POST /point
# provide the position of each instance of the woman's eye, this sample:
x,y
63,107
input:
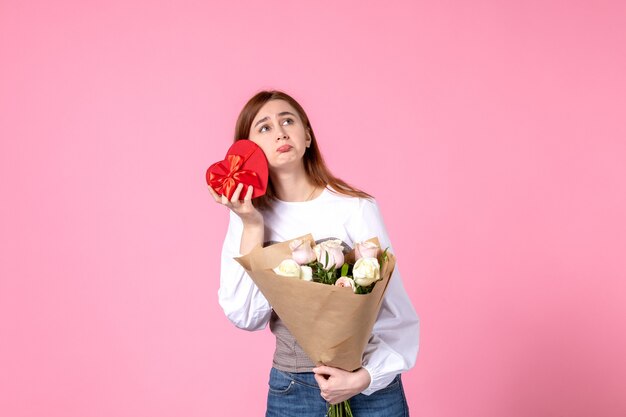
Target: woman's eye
x,y
263,128
288,121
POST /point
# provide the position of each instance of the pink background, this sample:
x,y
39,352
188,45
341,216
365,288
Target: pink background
x,y
492,134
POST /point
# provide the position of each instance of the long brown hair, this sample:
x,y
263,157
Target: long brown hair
x,y
314,165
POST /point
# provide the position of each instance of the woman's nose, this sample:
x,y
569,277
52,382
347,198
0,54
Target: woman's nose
x,y
281,135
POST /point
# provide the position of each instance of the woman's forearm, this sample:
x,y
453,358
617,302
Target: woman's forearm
x,y
252,236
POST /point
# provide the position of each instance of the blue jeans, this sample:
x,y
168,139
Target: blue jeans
x,y
298,395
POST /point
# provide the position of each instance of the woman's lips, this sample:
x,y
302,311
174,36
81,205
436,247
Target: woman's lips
x,y
284,148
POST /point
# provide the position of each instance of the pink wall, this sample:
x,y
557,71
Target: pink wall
x,y
492,134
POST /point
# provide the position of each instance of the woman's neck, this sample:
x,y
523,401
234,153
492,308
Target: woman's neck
x,y
293,186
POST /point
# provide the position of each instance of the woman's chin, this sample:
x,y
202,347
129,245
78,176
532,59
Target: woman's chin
x,y
286,165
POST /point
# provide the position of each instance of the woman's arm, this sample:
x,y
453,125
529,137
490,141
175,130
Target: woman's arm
x,y
242,302
394,344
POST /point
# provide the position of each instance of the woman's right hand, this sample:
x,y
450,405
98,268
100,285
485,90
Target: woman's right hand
x,y
244,209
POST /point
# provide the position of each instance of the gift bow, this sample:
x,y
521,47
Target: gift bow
x,y
226,174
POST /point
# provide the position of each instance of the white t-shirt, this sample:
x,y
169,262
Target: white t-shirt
x,y
393,347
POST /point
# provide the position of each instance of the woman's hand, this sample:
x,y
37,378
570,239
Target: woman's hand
x,y
337,385
253,225
244,209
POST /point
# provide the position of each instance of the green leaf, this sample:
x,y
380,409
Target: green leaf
x,y
344,270
384,257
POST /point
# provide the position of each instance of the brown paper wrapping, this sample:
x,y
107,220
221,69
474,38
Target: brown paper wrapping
x,y
331,324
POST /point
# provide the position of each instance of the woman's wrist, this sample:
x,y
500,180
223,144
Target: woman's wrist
x,y
365,379
253,222
253,234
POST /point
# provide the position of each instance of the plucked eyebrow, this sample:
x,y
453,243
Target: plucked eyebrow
x,y
280,114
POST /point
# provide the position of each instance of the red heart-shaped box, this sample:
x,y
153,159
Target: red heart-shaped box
x,y
245,163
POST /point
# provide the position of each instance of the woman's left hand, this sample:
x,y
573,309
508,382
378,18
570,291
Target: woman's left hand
x,y
337,385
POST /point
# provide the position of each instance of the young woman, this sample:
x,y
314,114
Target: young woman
x,y
304,197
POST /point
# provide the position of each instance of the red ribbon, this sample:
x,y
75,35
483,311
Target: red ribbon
x,y
226,174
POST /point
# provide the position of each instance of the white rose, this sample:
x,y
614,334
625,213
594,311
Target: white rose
x,y
366,271
288,268
333,249
306,273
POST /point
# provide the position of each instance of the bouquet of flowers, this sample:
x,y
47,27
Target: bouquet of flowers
x,y
325,263
328,299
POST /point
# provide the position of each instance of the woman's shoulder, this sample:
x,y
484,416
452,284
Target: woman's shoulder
x,y
359,208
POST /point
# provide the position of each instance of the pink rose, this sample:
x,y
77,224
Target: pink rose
x,y
366,250
346,282
333,249
301,251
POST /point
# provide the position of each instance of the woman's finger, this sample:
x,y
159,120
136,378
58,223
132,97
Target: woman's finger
x,y
215,196
321,381
248,196
235,197
325,370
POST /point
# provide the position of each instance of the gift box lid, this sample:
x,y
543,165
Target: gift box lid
x,y
244,163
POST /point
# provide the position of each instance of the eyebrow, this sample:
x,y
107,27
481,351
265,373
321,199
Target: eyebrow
x,y
280,114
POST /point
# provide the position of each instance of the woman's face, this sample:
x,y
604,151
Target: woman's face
x,y
280,133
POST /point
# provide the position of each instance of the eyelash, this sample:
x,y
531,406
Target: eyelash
x,y
287,119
